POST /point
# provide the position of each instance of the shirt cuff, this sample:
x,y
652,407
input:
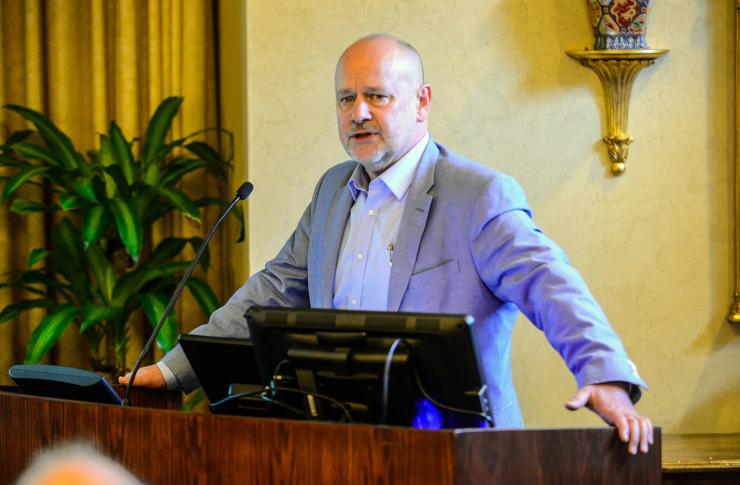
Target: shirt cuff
x,y
169,377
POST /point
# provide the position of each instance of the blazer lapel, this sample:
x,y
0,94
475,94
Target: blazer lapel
x,y
413,222
330,234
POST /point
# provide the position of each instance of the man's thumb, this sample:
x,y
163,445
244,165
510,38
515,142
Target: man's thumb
x,y
579,400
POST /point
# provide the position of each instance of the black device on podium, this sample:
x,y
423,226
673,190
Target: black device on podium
x,y
409,369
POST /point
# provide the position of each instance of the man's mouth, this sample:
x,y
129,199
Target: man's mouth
x,y
362,135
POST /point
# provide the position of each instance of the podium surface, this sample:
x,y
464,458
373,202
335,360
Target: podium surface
x,y
166,446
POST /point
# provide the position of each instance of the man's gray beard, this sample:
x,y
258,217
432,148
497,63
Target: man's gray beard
x,y
377,164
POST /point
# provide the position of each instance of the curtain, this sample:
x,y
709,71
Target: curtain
x,y
84,63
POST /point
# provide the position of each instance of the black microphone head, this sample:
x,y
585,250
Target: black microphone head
x,y
244,190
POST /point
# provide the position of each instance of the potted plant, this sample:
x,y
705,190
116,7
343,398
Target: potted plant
x,y
98,270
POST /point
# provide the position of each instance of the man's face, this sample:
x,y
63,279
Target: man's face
x,y
378,105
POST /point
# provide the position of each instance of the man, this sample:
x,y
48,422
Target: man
x,y
407,225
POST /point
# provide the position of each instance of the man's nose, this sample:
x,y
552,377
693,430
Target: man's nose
x,y
361,112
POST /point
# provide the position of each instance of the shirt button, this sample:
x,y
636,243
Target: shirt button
x,y
360,256
371,212
354,301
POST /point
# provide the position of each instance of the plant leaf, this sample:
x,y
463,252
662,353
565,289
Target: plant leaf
x,y
102,270
167,249
68,256
20,178
92,314
48,332
31,151
122,152
25,206
36,255
178,168
94,223
129,226
204,295
71,201
18,136
84,187
236,212
159,125
182,202
205,259
154,306
59,143
10,312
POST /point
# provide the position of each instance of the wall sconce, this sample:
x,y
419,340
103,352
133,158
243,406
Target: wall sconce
x,y
620,53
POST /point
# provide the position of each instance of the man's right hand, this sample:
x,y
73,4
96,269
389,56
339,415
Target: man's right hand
x,y
149,376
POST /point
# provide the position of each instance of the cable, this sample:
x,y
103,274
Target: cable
x,y
297,411
320,396
387,378
450,408
236,396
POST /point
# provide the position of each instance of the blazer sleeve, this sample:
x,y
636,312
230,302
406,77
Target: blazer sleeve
x,y
519,264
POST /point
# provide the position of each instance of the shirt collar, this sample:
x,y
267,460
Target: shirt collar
x,y
398,176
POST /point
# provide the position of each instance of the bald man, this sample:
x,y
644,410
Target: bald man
x,y
408,225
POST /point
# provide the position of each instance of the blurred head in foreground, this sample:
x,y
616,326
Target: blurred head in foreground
x,y
75,464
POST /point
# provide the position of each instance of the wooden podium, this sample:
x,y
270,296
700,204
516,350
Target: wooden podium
x,y
167,446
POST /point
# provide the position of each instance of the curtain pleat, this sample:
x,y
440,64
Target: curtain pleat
x,y
83,63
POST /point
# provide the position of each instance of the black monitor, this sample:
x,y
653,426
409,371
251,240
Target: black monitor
x,y
408,369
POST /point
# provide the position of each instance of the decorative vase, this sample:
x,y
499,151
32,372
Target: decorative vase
x,y
619,24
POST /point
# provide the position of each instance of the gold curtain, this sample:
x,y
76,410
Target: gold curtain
x,y
83,63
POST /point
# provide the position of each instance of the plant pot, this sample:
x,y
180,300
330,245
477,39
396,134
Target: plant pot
x,y
619,24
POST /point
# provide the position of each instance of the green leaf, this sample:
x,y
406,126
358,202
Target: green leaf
x,y
94,223
92,314
48,332
106,155
68,256
129,226
18,136
182,202
31,151
122,152
151,175
103,272
236,212
20,178
178,168
205,259
204,295
8,161
10,312
25,206
158,127
84,187
71,201
59,143
154,306
167,249
116,173
36,255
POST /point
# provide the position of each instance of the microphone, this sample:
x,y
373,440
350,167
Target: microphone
x,y
241,194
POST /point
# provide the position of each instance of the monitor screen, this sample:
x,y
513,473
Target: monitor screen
x,y
408,369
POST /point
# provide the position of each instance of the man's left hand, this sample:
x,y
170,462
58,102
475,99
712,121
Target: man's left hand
x,y
612,403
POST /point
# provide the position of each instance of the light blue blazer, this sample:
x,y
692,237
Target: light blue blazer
x,y
467,245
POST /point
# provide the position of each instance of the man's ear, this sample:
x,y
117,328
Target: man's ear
x,y
424,94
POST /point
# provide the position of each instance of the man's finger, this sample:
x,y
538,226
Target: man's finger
x,y
623,427
634,434
644,434
124,379
579,400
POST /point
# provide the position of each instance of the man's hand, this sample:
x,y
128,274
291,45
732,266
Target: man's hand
x,y
612,403
149,376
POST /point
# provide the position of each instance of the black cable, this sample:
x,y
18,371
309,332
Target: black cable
x,y
450,408
341,405
387,378
236,396
297,411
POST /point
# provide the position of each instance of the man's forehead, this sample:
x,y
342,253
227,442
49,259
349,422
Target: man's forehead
x,y
374,69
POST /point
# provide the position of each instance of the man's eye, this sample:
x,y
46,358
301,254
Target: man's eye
x,y
378,99
346,101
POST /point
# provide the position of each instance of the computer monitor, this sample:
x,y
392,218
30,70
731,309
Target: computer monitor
x,y
408,369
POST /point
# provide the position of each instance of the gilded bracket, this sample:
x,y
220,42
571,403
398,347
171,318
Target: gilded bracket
x,y
617,70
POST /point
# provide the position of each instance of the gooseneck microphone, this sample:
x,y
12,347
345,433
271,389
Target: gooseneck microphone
x,y
241,194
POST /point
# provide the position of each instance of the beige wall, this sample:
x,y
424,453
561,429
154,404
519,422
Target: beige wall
x,y
654,244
